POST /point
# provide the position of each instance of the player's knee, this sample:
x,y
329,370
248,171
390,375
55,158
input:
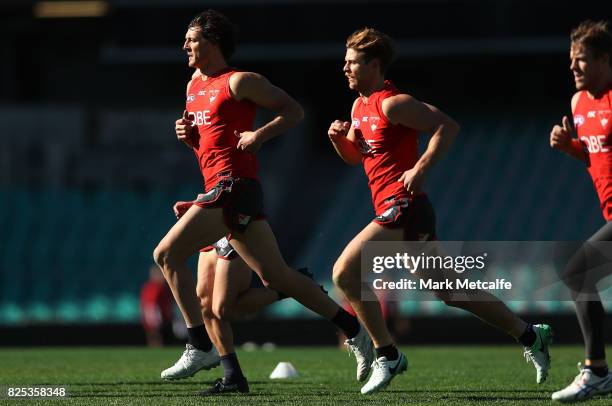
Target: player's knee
x,y
165,254
207,310
160,256
342,276
205,300
273,280
222,310
446,298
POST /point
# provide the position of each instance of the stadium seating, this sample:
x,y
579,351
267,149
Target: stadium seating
x,y
80,252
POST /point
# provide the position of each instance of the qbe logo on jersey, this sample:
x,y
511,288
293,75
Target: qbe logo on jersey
x,y
203,117
596,143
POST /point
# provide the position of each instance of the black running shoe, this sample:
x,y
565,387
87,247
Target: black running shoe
x,y
305,272
222,386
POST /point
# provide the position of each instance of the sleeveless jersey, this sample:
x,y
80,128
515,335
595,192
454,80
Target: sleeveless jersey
x,y
216,115
387,150
593,122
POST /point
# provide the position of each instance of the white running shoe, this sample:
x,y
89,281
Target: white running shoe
x,y
191,362
383,372
538,353
361,346
585,386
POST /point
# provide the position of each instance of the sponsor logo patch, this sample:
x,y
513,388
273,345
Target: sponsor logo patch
x,y
578,120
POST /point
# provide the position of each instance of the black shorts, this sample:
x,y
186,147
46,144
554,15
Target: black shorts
x,y
240,198
415,216
223,248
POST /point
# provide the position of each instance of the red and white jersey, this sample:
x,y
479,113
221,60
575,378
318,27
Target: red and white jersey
x,y
387,150
593,122
216,115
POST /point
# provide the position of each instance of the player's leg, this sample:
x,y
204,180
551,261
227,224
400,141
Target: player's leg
x,y
197,228
207,261
347,277
251,301
582,274
232,276
195,359
235,295
591,314
257,246
534,338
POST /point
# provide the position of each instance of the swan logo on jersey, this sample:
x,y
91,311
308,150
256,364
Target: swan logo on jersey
x,y
604,117
212,95
356,123
374,123
578,120
190,97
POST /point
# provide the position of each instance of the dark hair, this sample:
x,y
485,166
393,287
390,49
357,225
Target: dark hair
x,y
374,44
594,35
216,28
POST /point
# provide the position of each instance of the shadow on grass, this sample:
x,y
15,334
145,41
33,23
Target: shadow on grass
x,y
172,383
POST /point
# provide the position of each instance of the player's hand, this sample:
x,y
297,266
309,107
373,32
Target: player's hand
x,y
561,136
184,128
338,129
181,208
412,180
248,141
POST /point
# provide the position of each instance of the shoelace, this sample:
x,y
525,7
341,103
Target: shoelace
x,y
581,372
528,354
186,354
351,348
378,367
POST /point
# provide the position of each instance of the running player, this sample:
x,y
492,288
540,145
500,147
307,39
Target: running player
x,y
591,65
218,126
222,277
383,136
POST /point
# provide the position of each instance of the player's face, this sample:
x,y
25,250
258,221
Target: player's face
x,y
587,69
197,48
359,73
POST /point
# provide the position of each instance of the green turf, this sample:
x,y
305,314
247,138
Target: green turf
x,y
436,375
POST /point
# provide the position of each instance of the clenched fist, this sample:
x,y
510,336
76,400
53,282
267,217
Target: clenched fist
x,y
561,136
184,128
338,129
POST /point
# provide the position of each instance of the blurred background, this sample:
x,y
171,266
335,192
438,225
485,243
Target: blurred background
x,y
90,167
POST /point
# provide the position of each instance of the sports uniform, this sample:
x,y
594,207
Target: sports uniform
x,y
388,150
593,121
230,174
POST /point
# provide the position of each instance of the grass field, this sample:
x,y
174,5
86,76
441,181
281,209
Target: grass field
x,y
436,375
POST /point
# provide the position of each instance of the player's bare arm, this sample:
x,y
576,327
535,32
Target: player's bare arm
x,y
342,136
410,112
256,88
563,137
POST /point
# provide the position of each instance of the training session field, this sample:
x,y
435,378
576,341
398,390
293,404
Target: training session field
x,y
459,375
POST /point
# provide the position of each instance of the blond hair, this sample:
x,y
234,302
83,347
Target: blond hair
x,y
374,44
594,35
